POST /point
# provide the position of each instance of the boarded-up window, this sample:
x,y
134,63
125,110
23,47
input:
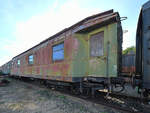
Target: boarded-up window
x,y
97,44
58,52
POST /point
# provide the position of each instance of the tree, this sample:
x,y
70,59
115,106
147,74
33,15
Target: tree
x,y
129,50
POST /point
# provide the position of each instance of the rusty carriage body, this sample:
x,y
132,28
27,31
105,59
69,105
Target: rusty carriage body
x,y
89,48
89,51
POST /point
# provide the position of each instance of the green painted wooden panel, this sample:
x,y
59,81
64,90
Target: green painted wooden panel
x,y
83,64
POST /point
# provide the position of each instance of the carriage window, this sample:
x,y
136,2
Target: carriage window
x,y
30,59
18,62
97,44
58,52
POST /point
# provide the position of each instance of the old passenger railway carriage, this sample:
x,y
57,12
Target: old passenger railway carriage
x,y
86,56
88,48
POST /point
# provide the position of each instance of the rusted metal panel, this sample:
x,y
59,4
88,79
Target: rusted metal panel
x,y
128,63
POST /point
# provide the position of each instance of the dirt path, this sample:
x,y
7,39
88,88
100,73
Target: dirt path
x,y
21,97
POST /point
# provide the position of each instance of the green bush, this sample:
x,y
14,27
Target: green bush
x,y
128,50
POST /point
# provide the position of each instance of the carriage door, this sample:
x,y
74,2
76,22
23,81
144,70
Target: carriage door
x,y
97,64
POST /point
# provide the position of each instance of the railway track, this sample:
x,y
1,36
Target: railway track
x,y
119,102
129,105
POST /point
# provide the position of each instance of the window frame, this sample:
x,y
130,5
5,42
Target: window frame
x,y
29,62
57,60
18,63
102,43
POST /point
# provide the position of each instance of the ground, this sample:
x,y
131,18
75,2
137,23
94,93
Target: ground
x,y
22,97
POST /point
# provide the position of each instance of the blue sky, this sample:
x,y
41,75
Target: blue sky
x,y
25,23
